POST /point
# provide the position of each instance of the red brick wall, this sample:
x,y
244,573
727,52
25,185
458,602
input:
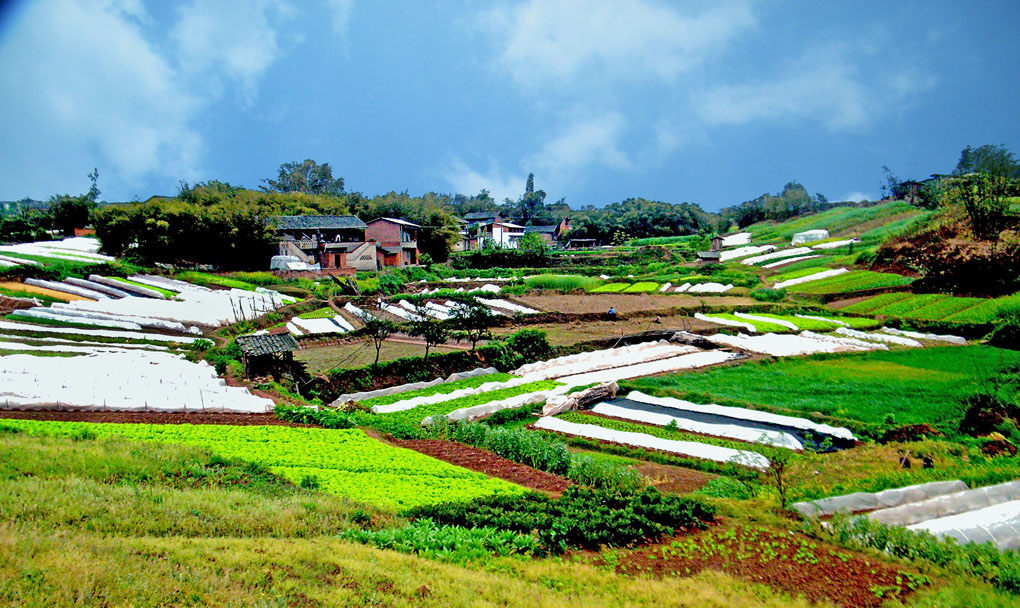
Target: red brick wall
x,y
383,232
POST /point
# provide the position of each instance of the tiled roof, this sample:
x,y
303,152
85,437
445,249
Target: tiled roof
x,y
254,345
316,222
544,229
481,215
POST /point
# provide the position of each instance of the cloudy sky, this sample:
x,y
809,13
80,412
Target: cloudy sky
x,y
709,102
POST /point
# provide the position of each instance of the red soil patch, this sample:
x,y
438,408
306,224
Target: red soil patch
x,y
792,563
149,417
485,462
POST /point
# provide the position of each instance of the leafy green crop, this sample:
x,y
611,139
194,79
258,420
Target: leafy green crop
x,y
642,287
449,543
611,288
345,462
166,292
855,280
417,414
323,313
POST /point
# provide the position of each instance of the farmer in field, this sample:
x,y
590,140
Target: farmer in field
x,y
612,314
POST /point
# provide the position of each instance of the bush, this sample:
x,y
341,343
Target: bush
x,y
522,347
767,294
1007,332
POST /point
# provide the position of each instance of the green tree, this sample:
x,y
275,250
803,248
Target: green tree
x,y
993,160
378,331
308,177
430,330
473,322
531,206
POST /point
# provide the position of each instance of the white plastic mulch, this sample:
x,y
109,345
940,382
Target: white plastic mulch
x,y
650,368
835,244
317,326
741,413
775,255
357,312
728,322
135,290
736,240
505,305
876,337
67,288
77,316
682,288
104,333
46,314
665,287
710,288
783,345
68,342
853,343
743,252
811,277
998,524
125,381
729,431
780,322
192,306
110,291
76,249
601,359
824,320
80,348
686,448
799,258
922,336
397,311
408,404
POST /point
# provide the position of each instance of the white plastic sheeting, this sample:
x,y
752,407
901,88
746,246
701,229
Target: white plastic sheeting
x,y
82,316
505,305
710,288
78,249
126,381
357,312
998,524
93,286
686,448
775,255
67,288
743,252
399,312
104,333
809,235
852,343
294,329
824,320
682,288
484,409
414,386
665,287
489,287
601,359
413,402
922,336
124,345
14,261
740,413
736,240
314,327
948,504
780,322
45,313
811,277
728,322
192,306
867,501
799,258
876,337
143,292
85,349
835,244
729,431
344,323
650,368
781,345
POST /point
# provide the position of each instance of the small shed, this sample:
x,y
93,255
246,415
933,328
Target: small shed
x,y
267,354
717,243
809,236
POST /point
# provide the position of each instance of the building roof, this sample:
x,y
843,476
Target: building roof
x,y
510,225
255,345
391,250
481,215
395,221
318,222
543,229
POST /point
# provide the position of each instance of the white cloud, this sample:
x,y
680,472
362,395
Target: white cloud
x,y
543,40
230,39
341,10
857,197
82,87
583,143
829,87
465,180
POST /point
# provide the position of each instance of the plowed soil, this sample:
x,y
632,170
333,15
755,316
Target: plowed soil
x,y
486,462
794,564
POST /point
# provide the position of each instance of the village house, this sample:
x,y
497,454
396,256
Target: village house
x,y
331,241
396,241
485,227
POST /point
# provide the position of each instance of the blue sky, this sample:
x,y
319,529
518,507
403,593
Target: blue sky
x,y
706,102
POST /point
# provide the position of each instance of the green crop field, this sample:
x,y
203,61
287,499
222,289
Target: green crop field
x,y
642,287
855,280
322,313
935,307
914,386
838,220
439,389
611,288
797,273
343,462
417,414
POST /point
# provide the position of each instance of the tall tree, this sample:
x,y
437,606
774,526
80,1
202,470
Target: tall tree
x,y
308,177
993,160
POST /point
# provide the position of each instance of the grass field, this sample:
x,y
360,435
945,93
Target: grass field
x,y
914,386
839,221
855,280
343,462
360,354
935,307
